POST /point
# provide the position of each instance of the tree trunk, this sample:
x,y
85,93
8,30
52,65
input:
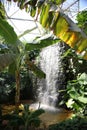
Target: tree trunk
x,y
17,96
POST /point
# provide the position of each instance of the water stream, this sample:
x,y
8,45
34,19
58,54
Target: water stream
x,y
51,64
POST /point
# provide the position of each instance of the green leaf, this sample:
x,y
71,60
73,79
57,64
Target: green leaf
x,y
36,113
39,73
32,11
35,121
12,68
83,79
6,59
42,44
58,2
45,14
65,29
70,103
83,99
2,10
7,32
73,95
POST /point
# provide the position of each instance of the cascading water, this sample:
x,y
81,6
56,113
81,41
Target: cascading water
x,y
51,64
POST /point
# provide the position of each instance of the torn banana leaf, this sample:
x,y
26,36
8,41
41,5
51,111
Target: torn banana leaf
x,y
65,29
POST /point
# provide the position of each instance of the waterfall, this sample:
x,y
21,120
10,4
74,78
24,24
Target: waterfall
x,y
51,64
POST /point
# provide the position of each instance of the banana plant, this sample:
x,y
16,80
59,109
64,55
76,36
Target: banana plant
x,y
64,28
26,118
51,19
17,51
31,5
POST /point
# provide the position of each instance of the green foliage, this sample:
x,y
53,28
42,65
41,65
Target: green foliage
x,y
5,60
42,43
58,2
39,73
3,48
2,11
31,5
33,54
7,32
76,123
26,119
74,64
7,85
82,20
14,61
76,93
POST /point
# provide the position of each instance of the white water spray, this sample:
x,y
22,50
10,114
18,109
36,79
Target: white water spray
x,y
50,63
47,89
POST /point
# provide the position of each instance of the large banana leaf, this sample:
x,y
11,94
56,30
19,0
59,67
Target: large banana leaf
x,y
65,29
7,32
43,43
10,38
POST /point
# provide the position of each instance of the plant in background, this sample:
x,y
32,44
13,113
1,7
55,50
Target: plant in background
x,y
24,118
76,94
74,64
17,52
76,123
82,20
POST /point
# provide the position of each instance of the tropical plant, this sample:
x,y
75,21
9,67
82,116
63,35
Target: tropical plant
x,y
76,94
60,24
75,123
18,53
74,64
82,20
64,28
25,118
7,87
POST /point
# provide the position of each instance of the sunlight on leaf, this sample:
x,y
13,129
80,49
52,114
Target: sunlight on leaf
x,y
69,103
83,99
65,29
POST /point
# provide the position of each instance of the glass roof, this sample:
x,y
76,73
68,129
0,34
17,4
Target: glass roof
x,y
21,20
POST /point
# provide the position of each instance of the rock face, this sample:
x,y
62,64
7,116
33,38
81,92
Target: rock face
x,y
51,63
